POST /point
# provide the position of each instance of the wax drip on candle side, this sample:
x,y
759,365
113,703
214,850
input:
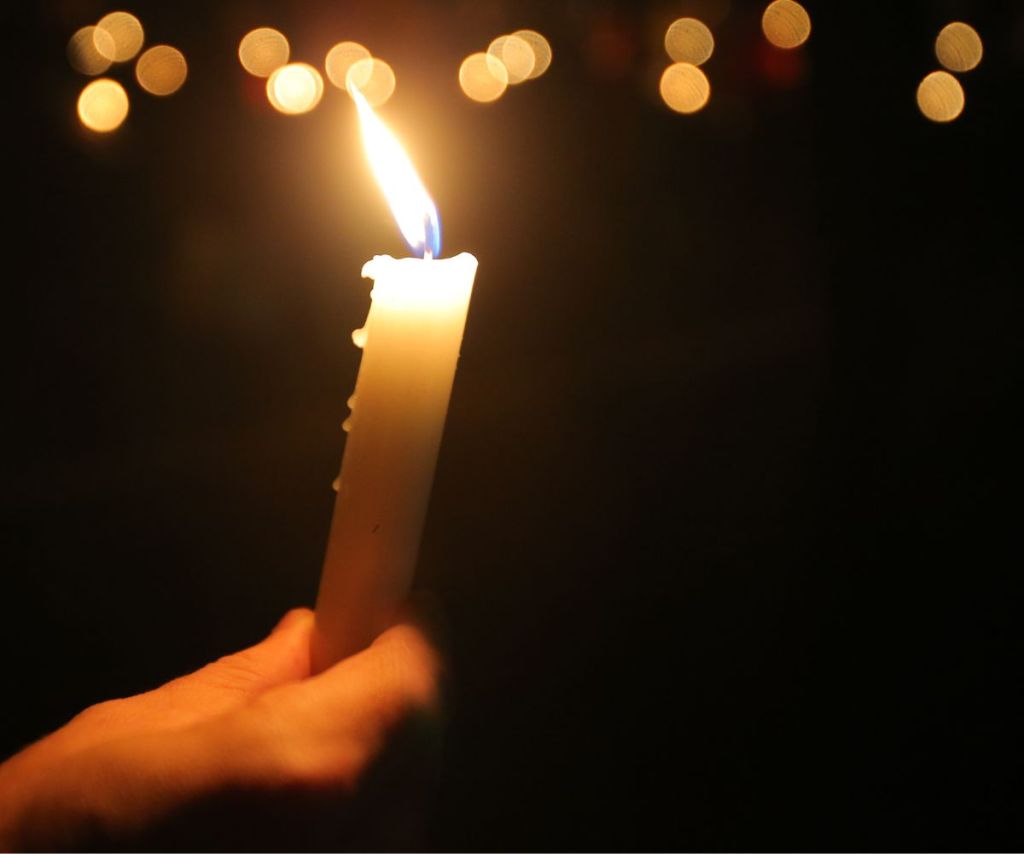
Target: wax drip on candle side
x,y
359,339
346,425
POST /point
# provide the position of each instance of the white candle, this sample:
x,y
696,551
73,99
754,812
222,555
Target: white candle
x,y
410,347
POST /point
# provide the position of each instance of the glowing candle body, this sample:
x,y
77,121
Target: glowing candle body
x,y
410,343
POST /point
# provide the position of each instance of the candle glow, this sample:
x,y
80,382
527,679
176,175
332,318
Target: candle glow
x,y
410,203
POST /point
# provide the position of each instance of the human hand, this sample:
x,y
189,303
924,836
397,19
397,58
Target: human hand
x,y
251,751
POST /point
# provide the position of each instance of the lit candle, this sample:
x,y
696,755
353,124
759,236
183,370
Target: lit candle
x,y
410,345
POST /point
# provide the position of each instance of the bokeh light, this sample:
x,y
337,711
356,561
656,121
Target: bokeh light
x,y
161,70
958,47
374,78
483,78
516,55
103,105
341,58
83,54
684,87
689,40
295,88
262,51
541,51
126,36
786,24
940,97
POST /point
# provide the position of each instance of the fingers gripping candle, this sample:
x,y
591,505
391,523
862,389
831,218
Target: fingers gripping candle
x,y
410,345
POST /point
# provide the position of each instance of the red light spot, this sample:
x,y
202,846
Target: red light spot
x,y
783,69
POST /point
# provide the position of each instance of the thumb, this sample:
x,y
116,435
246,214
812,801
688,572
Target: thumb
x,y
294,617
280,658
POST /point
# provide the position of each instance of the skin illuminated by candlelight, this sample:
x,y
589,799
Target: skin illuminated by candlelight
x,y
245,751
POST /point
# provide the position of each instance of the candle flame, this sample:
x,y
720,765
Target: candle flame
x,y
411,205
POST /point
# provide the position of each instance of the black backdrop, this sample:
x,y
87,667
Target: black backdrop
x,y
723,523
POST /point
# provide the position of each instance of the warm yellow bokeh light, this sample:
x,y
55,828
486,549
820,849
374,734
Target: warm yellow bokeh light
x,y
295,89
161,70
940,97
83,54
786,24
103,105
958,46
516,55
341,58
483,78
374,78
125,33
262,51
541,51
684,87
689,40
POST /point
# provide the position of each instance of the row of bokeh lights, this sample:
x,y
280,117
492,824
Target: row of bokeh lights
x,y
786,24
958,47
294,88
118,38
510,59
684,87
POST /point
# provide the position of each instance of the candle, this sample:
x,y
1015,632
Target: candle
x,y
410,344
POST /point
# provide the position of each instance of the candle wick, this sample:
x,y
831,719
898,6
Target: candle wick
x,y
431,236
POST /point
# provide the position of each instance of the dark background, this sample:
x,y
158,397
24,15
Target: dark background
x,y
726,519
